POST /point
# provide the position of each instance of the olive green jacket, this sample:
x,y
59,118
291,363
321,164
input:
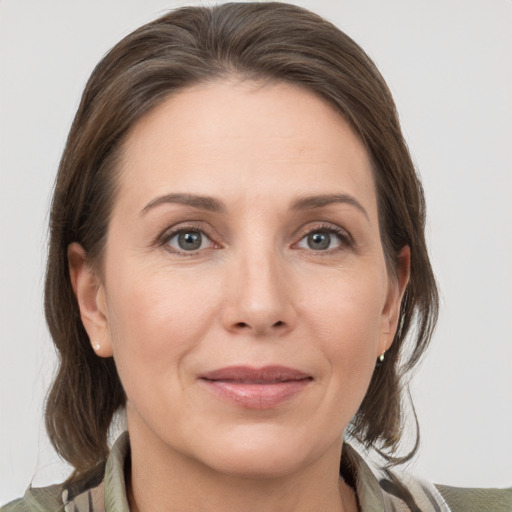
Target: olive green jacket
x,y
377,491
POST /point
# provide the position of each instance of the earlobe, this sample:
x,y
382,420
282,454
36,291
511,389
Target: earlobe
x,y
90,295
397,287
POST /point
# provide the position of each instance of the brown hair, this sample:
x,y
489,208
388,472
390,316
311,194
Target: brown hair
x,y
260,41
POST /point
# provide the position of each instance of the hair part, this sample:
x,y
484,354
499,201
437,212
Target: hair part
x,y
269,41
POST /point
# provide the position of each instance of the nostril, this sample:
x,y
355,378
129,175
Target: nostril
x,y
244,325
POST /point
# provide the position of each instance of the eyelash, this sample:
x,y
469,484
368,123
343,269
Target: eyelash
x,y
344,238
168,235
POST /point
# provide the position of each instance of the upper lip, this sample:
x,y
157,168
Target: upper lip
x,y
250,375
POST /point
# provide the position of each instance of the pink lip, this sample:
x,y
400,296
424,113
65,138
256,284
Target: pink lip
x,y
256,388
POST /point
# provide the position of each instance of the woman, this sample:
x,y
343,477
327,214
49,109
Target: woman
x,y
236,259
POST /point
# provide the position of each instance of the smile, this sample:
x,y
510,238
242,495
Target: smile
x,y
256,388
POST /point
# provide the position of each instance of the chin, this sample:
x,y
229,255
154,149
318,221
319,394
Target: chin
x,y
259,455
259,465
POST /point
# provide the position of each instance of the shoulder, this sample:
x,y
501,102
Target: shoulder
x,y
84,496
461,499
54,498
103,486
380,489
419,495
38,499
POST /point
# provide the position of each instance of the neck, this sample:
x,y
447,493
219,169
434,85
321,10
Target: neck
x,y
158,478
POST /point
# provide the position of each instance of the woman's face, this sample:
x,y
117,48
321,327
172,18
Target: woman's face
x,y
244,296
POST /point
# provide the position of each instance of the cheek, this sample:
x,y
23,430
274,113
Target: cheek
x,y
346,316
348,307
157,317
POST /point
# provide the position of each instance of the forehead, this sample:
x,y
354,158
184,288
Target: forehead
x,y
243,139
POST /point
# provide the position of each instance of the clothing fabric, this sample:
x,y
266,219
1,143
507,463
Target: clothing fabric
x,y
377,491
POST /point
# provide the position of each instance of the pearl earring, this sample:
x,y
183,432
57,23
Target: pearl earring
x,y
96,346
380,359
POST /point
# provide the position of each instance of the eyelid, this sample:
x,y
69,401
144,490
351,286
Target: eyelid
x,y
344,236
169,233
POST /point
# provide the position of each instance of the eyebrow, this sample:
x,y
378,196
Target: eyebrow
x,y
202,202
319,201
214,205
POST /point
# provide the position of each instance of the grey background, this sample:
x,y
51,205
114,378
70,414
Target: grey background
x,y
449,65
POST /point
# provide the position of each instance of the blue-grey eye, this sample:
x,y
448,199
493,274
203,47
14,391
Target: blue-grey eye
x,y
320,241
189,240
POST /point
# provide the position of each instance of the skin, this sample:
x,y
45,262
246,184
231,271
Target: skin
x,y
255,293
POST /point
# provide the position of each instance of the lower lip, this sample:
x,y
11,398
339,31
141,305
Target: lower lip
x,y
256,396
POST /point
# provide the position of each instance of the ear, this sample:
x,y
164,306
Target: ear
x,y
90,295
396,290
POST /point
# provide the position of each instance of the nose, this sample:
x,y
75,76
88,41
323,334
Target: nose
x,y
259,296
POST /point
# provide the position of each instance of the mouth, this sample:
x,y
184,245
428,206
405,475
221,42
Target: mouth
x,y
256,388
